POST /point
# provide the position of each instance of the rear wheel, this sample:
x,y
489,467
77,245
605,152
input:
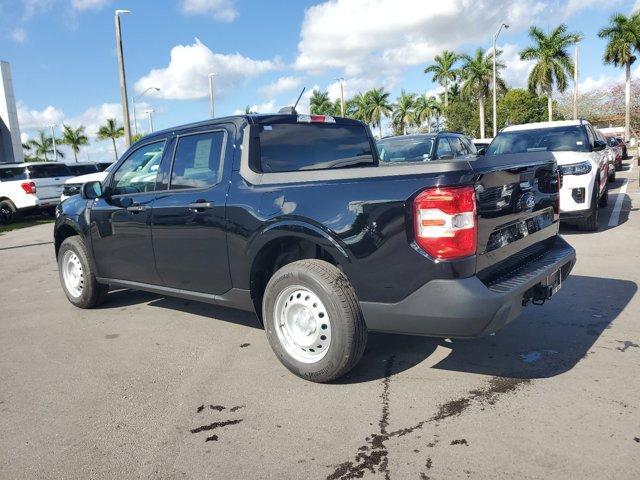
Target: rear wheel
x,y
604,199
612,174
8,212
313,320
590,224
76,275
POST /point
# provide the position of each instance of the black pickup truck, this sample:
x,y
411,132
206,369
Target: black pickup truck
x,y
294,217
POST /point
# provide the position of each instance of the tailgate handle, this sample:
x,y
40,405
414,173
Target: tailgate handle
x,y
200,205
135,208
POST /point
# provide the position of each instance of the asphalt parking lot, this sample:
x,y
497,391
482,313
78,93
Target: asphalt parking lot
x,y
150,387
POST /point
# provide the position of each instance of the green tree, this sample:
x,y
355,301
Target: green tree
x,y
553,62
623,35
42,146
360,107
519,106
378,107
462,116
444,71
111,130
425,108
74,138
477,76
403,115
320,103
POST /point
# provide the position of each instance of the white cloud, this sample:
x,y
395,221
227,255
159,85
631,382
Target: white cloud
x,y
33,7
24,137
19,35
573,7
267,107
186,76
38,119
222,10
516,72
386,37
283,84
83,5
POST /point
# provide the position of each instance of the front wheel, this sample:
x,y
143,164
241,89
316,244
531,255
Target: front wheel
x,y
76,275
8,212
313,320
590,224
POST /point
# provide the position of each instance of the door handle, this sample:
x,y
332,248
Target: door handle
x,y
200,206
136,208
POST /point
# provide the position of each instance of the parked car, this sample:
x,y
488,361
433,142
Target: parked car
x,y
610,152
102,166
424,147
82,168
481,143
617,149
72,185
623,145
293,217
42,182
582,159
17,193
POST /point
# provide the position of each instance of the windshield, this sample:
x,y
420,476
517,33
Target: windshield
x,y
78,170
290,147
556,139
405,150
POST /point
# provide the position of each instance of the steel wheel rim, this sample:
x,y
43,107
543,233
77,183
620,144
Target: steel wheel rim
x,y
5,214
302,324
72,273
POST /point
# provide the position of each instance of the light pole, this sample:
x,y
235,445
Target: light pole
x,y
123,79
341,80
575,84
53,139
149,112
211,95
133,107
495,96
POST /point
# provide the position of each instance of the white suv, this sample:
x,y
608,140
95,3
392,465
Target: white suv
x,y
582,158
73,185
26,187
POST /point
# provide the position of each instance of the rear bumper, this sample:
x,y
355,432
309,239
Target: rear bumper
x,y
468,307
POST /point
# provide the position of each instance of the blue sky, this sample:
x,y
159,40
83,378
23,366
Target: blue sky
x,y
64,66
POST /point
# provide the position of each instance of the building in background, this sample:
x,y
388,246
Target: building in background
x,y
10,140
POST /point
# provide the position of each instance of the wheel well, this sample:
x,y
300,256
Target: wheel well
x,y
275,255
63,232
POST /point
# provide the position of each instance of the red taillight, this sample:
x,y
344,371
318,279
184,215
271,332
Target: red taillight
x,y
445,223
28,187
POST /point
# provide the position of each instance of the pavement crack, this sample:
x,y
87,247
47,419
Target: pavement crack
x,y
215,425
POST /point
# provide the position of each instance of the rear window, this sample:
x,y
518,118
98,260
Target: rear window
x,y
287,147
405,150
12,174
556,139
82,169
49,171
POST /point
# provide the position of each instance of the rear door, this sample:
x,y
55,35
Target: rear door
x,y
49,180
189,224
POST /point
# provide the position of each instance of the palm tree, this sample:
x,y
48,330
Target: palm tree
x,y
360,107
111,130
74,138
378,106
477,76
443,71
320,104
554,64
42,145
623,34
404,114
424,108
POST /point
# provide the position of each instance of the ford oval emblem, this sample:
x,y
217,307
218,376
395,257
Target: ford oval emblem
x,y
528,201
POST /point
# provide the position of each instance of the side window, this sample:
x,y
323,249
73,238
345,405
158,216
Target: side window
x,y
138,172
444,149
458,148
469,146
590,135
197,161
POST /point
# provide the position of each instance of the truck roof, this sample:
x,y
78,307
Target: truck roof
x,y
539,125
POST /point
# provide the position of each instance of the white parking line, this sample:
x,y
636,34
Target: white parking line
x,y
615,213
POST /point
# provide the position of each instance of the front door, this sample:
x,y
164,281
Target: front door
x,y
188,222
121,219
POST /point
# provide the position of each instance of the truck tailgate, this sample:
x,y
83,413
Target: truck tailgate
x,y
517,203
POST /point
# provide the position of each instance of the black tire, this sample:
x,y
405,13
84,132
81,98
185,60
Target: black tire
x,y
348,329
590,224
604,199
92,293
8,212
612,175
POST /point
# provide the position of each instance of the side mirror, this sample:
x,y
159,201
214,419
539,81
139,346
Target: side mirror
x,y
482,151
599,145
91,190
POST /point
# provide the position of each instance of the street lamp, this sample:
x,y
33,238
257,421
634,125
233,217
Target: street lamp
x,y
133,106
211,96
495,101
341,80
149,112
53,139
123,79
